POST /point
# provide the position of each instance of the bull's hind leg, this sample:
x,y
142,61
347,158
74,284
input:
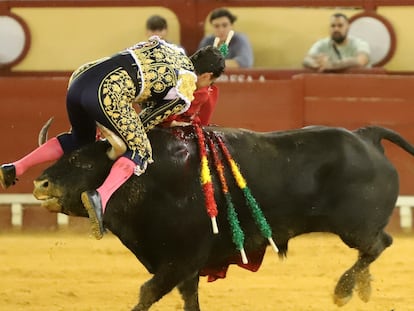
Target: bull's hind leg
x,y
359,274
189,292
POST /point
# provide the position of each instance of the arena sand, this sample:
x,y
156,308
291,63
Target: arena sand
x,y
71,271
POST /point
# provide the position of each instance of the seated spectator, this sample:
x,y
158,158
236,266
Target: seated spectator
x,y
339,51
240,53
157,26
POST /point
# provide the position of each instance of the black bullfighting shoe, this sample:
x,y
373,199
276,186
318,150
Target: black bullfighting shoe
x,y
92,202
7,175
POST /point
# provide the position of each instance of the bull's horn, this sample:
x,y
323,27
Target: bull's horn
x,y
118,145
41,139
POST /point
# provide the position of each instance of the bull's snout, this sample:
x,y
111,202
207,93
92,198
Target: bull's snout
x,y
41,188
42,191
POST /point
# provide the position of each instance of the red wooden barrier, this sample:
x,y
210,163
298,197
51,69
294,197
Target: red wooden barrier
x,y
261,106
26,104
352,101
331,99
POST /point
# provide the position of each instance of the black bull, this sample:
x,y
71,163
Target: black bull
x,y
316,179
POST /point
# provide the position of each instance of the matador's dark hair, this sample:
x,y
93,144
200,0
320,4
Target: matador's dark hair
x,y
208,59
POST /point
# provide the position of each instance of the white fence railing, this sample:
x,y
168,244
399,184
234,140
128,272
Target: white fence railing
x,y
18,200
404,203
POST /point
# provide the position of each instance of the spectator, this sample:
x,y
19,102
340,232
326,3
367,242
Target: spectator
x,y
339,51
157,26
240,53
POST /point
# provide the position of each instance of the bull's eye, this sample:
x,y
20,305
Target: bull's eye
x,y
75,161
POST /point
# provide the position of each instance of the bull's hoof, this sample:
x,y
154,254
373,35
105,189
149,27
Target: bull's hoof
x,y
364,293
92,202
140,307
363,282
7,175
341,301
344,288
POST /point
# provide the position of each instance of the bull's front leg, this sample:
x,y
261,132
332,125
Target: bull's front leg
x,y
163,282
189,292
152,291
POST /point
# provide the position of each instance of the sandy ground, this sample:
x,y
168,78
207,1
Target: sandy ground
x,y
72,271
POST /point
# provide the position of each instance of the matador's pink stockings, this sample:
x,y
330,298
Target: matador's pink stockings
x,y
121,170
49,151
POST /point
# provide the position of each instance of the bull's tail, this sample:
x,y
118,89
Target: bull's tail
x,y
376,133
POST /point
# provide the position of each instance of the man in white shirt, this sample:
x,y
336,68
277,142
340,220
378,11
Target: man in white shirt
x,y
339,51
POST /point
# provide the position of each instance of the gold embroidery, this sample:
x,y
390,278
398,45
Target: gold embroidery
x,y
154,115
116,93
159,64
186,85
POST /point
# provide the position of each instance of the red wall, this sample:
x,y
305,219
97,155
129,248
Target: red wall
x,y
352,101
348,100
261,106
26,104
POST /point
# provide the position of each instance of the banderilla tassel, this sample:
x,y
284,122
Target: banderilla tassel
x,y
205,179
257,213
237,232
